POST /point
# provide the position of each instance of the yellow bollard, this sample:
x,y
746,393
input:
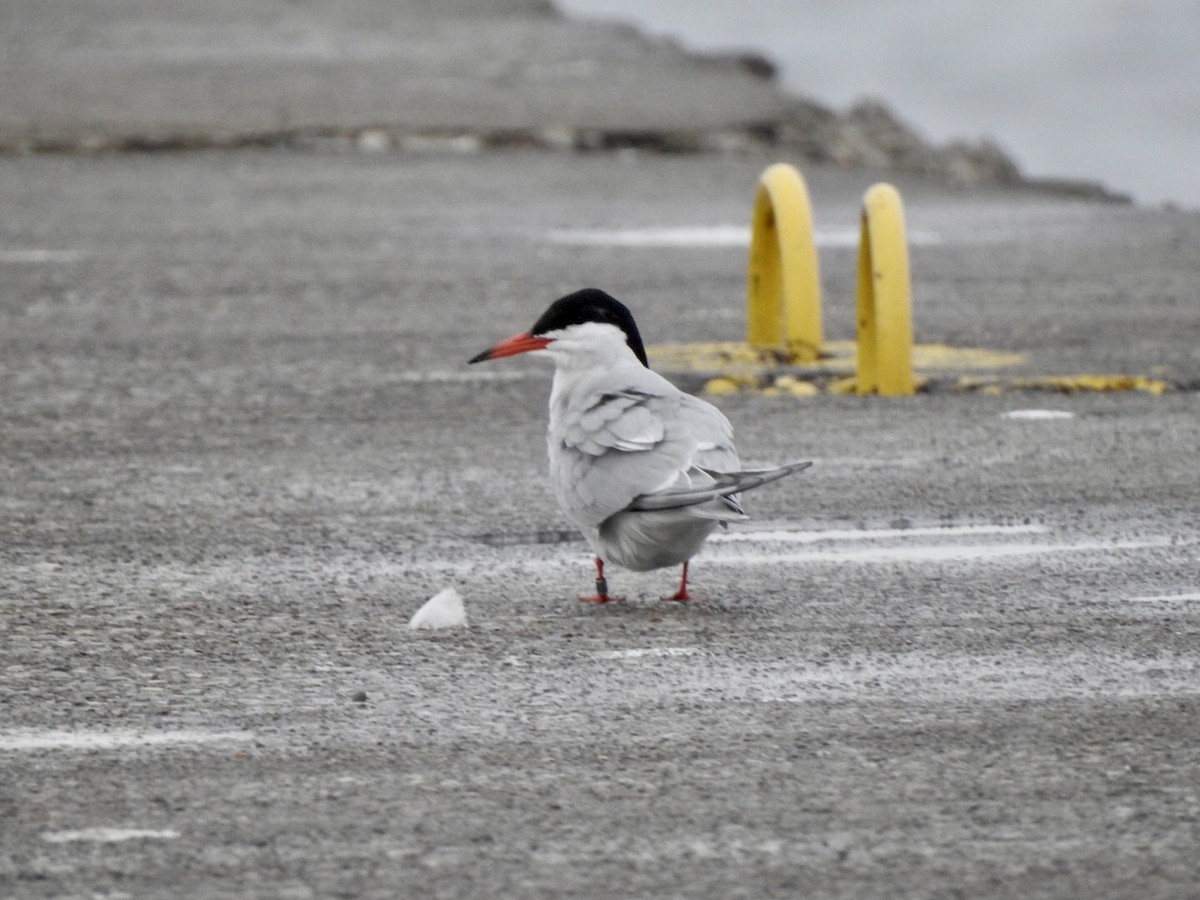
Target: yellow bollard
x,y
884,298
783,282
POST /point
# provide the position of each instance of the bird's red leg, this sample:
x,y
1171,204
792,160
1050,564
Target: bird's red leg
x,y
682,594
601,595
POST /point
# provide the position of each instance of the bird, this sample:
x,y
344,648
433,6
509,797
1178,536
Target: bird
x,y
646,471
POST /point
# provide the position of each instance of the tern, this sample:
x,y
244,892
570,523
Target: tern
x,y
646,471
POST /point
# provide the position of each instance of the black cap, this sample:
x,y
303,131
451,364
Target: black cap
x,y
591,305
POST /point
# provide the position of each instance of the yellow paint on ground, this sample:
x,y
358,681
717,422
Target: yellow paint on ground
x,y
731,357
1066,384
738,368
765,385
837,357
727,384
790,384
844,385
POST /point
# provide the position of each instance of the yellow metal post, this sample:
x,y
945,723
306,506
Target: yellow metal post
x,y
783,282
884,298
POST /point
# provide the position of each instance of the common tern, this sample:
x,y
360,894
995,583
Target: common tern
x,y
644,470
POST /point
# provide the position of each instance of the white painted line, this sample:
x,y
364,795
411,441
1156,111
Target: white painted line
x,y
34,255
684,236
640,652
874,534
746,553
101,835
1168,598
1038,415
922,553
835,238
34,739
1010,675
705,236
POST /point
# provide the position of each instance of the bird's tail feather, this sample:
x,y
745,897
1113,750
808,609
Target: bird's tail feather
x,y
724,484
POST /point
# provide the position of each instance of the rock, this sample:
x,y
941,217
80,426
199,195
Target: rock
x,y
442,610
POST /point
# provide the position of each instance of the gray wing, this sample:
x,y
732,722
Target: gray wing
x,y
720,484
609,447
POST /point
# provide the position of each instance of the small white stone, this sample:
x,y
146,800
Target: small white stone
x,y
443,610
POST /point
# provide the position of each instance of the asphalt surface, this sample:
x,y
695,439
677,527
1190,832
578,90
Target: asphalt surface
x,y
240,448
